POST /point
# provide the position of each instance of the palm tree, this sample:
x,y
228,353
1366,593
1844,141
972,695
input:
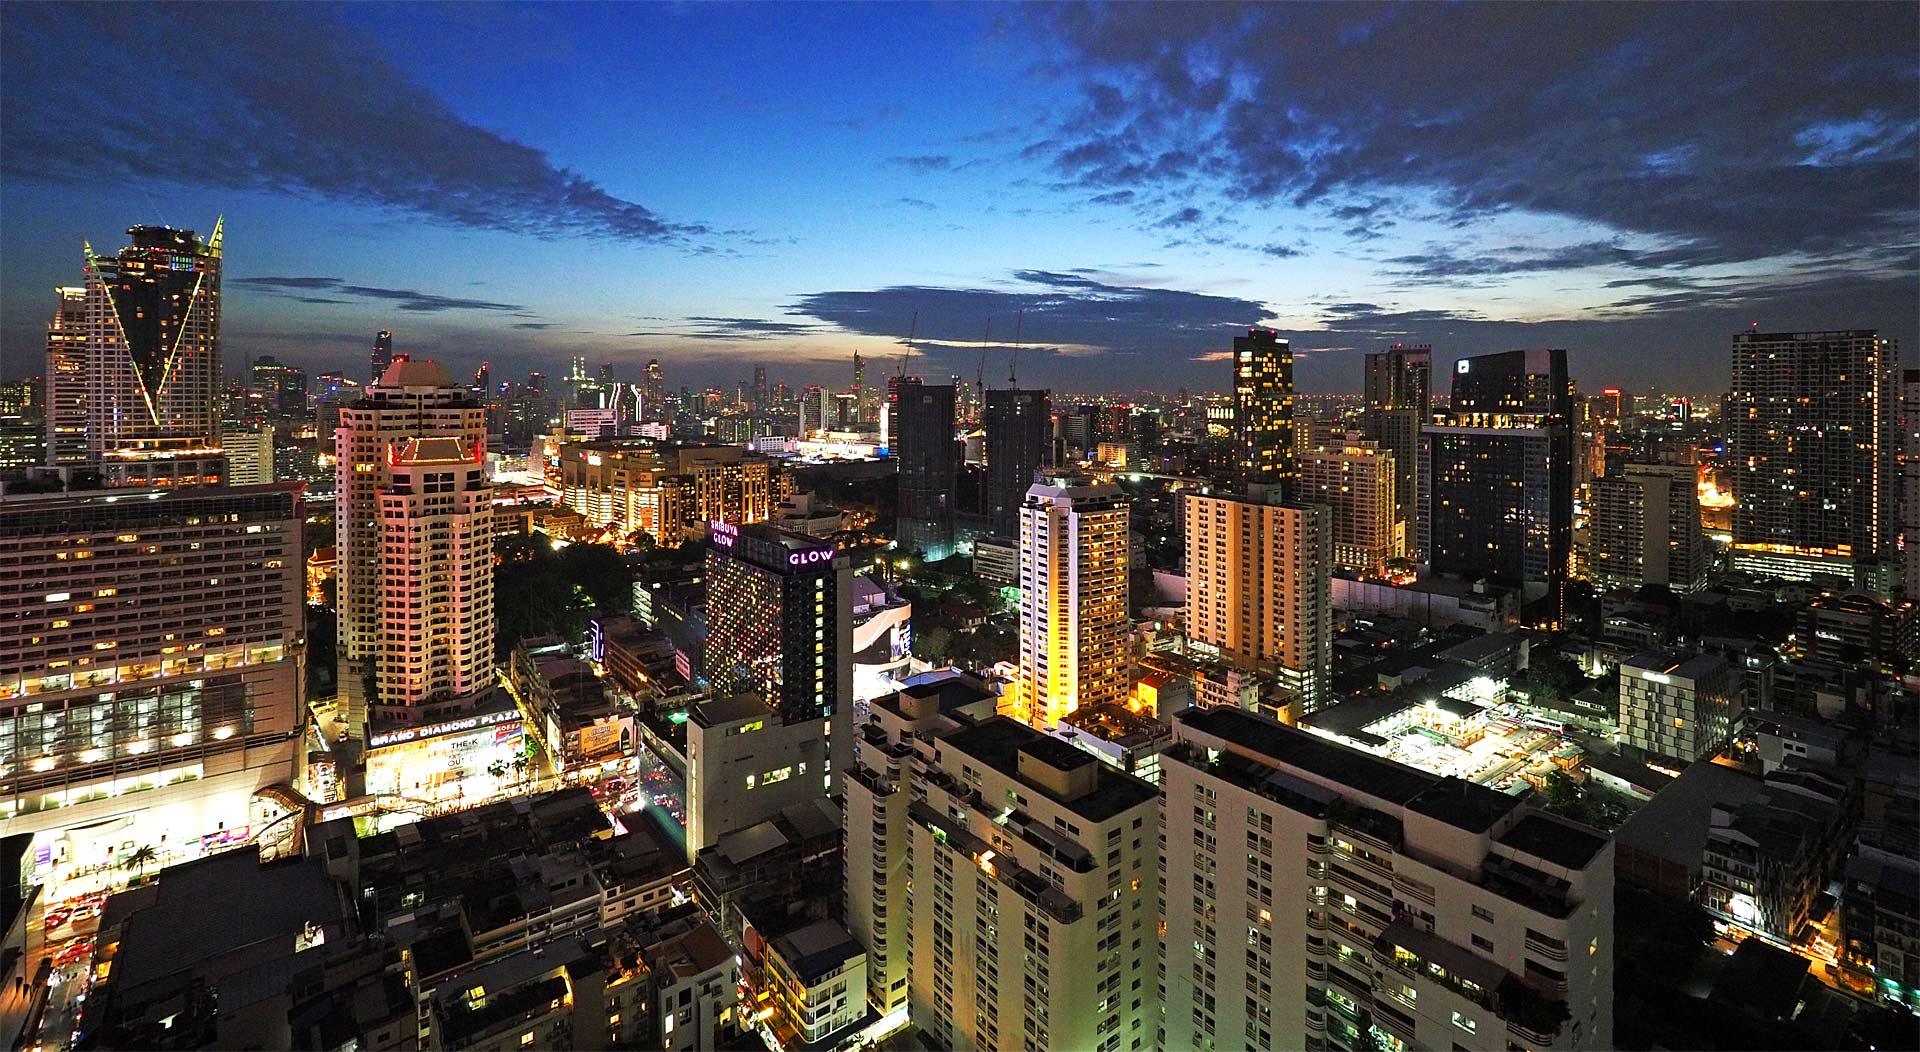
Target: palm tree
x,y
142,857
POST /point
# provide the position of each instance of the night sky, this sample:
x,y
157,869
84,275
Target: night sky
x,y
723,186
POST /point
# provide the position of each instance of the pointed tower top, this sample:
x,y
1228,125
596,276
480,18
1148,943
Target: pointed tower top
x,y
213,240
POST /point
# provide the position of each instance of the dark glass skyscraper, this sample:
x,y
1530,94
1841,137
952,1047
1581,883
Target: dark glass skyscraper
x,y
382,355
929,462
1019,430
1496,475
1263,408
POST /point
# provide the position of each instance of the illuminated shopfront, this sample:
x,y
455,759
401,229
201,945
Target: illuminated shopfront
x,y
469,758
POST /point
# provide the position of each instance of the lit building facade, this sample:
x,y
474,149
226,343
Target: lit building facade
x,y
1679,708
436,581
153,340
151,669
745,765
1357,482
1496,480
1073,599
1003,882
1644,528
1811,438
66,378
1263,408
1401,377
1259,588
412,400
1909,482
1430,913
780,627
639,485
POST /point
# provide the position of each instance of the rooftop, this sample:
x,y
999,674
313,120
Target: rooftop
x,y
998,743
1561,843
1673,825
1450,800
817,949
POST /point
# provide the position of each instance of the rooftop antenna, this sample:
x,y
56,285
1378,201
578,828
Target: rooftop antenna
x,y
1013,363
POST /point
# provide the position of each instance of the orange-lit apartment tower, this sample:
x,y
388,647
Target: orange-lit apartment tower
x,y
1073,599
1258,588
413,399
436,580
67,378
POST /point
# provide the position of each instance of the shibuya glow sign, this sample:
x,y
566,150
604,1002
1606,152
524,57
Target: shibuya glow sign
x,y
723,534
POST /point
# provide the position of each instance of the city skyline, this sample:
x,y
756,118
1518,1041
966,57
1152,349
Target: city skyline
x,y
487,199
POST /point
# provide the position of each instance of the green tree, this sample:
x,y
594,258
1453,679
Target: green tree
x,y
143,856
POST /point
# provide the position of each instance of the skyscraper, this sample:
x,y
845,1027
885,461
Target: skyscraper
x,y
1909,481
1259,580
151,665
382,355
780,626
153,340
66,378
924,446
1073,599
383,586
1812,441
278,388
1400,377
1019,428
1399,404
653,396
1263,408
1430,912
1644,528
1496,479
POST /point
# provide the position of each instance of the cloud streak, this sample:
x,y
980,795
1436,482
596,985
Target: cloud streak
x,y
402,299
274,101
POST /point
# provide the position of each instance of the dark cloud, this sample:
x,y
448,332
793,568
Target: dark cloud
x,y
1279,251
724,329
1185,217
1062,314
536,325
403,299
1724,132
915,202
275,99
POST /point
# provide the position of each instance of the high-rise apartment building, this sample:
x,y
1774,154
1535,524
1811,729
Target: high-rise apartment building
x,y
66,378
1263,408
1496,479
1811,439
1643,528
929,462
436,580
1356,480
1430,913
151,665
1400,377
780,627
1259,588
411,400
153,341
1019,433
249,453
1002,880
653,394
659,489
1073,599
382,355
1677,707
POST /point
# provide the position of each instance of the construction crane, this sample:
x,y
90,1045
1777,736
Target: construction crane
x,y
1013,363
980,374
907,352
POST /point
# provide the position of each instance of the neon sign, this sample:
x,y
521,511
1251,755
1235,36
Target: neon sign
x,y
808,558
723,534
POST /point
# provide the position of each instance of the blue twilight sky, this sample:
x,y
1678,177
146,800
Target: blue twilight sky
x,y
726,185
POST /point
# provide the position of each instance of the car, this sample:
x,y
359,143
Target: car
x,y
56,918
73,952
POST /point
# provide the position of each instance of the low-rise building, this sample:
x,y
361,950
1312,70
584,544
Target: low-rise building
x,y
816,983
997,559
1680,707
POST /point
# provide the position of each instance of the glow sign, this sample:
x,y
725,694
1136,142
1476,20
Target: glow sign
x,y
808,558
723,534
